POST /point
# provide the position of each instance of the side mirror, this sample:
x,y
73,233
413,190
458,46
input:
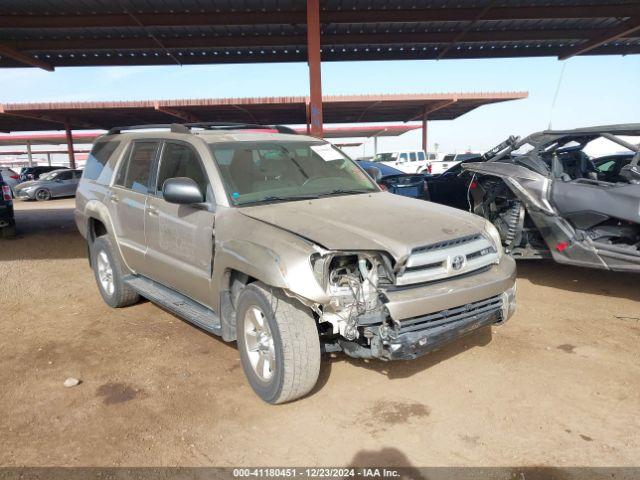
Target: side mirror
x,y
182,190
374,172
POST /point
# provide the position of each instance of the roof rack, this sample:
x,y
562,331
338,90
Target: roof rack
x,y
186,127
174,127
238,126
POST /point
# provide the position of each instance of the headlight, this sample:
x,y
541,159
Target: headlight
x,y
367,265
494,235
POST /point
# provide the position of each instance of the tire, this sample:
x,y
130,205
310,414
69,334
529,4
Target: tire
x,y
294,342
105,257
42,195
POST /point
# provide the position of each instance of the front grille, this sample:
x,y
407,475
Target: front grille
x,y
447,243
480,309
447,259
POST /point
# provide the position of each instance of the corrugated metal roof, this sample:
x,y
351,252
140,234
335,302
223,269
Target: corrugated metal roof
x,y
269,110
139,32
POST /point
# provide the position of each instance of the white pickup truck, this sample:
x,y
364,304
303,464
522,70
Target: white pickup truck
x,y
407,161
440,166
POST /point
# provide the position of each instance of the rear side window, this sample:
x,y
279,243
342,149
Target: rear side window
x,y
135,173
421,156
412,155
98,158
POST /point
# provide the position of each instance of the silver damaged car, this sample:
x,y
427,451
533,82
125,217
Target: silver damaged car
x,y
283,244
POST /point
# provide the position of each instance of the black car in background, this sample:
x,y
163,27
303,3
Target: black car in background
x,y
395,181
451,187
33,173
7,221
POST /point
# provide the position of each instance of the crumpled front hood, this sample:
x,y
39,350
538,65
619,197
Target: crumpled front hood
x,y
376,221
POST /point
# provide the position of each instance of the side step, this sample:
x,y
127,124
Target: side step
x,y
177,303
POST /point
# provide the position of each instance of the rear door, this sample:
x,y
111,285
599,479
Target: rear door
x,y
128,198
180,238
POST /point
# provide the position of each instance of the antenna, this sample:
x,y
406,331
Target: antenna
x,y
555,96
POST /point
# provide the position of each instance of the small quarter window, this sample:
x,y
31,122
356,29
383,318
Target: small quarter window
x,y
98,158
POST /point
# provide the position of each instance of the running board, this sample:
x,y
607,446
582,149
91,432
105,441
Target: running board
x,y
177,303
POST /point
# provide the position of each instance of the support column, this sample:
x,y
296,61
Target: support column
x,y
375,146
70,152
424,133
313,58
49,158
29,154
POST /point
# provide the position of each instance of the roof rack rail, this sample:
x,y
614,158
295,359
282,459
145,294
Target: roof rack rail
x,y
238,126
174,127
186,127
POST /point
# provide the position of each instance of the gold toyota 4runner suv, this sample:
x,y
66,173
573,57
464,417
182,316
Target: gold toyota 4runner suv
x,y
280,242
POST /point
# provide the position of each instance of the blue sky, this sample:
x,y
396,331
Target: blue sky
x,y
593,91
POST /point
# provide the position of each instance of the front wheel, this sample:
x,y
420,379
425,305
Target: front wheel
x,y
278,342
43,195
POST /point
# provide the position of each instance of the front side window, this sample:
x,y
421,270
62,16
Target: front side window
x,y
135,173
279,171
179,160
403,157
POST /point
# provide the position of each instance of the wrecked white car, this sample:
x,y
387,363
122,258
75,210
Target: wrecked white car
x,y
281,243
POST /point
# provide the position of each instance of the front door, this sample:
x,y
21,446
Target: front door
x,y
127,201
180,238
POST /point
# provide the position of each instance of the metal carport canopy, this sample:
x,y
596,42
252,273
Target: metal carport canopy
x,y
268,110
55,33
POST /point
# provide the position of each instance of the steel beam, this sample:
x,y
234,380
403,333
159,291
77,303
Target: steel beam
x,y
315,73
465,30
70,151
29,154
24,59
198,18
627,28
424,132
426,111
175,112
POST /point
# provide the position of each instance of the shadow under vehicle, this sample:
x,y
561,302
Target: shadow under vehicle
x,y
548,198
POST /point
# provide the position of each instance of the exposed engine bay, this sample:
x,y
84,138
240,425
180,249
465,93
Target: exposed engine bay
x,y
356,320
554,200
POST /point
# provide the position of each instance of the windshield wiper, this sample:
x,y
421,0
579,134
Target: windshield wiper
x,y
340,191
276,198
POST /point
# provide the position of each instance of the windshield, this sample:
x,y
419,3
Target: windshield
x,y
255,172
385,157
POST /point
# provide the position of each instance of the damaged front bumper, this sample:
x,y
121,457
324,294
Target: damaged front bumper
x,y
456,308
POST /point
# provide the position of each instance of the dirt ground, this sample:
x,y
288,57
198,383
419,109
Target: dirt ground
x,y
557,385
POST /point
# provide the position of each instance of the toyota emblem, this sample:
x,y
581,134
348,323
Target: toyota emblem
x,y
457,262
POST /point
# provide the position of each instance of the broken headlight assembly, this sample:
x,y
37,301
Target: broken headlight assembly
x,y
353,281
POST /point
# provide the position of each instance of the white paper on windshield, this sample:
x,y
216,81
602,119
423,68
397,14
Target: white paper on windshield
x,y
327,152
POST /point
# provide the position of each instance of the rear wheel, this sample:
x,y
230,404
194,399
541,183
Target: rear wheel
x,y
278,342
43,195
110,272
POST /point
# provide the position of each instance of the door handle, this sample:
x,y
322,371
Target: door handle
x,y
153,211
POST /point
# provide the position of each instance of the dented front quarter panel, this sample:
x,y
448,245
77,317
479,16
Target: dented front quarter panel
x,y
267,253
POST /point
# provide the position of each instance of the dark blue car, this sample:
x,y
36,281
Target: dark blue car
x,y
395,181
